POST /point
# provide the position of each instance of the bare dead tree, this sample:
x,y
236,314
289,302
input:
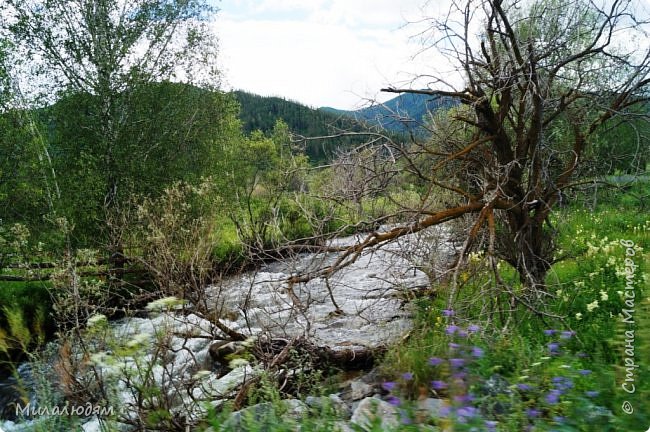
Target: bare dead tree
x,y
540,81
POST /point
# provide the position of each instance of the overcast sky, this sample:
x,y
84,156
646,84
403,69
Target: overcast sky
x,y
319,52
336,53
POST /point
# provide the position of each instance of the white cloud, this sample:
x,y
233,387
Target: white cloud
x,y
321,52
338,52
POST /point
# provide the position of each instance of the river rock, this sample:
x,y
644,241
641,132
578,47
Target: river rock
x,y
369,313
358,390
372,410
341,426
93,425
429,407
263,417
219,351
332,403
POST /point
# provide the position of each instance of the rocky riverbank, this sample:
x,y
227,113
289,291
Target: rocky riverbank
x,y
194,364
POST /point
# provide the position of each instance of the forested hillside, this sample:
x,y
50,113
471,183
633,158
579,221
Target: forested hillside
x,y
406,113
261,113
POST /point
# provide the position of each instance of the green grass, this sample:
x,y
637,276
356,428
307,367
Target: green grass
x,y
544,380
587,287
565,380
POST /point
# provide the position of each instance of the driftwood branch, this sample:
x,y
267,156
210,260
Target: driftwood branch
x,y
352,253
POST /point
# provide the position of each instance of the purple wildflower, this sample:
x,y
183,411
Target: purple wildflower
x,y
524,387
553,347
438,385
394,401
388,385
451,329
491,425
462,333
549,332
457,362
584,371
435,361
567,334
467,411
477,352
553,397
405,419
562,383
448,312
453,345
459,376
473,328
532,412
407,376
463,399
592,393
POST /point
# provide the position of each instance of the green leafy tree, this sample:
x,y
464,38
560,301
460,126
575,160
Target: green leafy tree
x,y
622,146
262,113
259,175
27,187
104,57
175,133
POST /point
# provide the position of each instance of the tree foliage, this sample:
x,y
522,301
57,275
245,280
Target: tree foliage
x,y
262,113
119,125
26,190
174,134
258,177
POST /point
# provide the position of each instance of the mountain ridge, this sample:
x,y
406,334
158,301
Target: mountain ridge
x,y
399,114
402,114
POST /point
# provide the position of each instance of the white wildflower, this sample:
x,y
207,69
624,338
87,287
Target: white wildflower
x,y
100,359
591,249
238,362
137,340
164,303
98,319
250,341
201,374
603,296
593,305
578,316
